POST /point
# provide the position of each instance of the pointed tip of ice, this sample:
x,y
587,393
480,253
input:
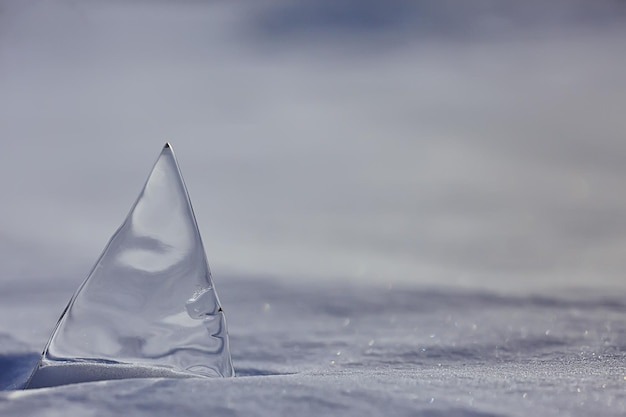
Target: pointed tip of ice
x,y
167,149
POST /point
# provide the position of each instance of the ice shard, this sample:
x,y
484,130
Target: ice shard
x,y
148,308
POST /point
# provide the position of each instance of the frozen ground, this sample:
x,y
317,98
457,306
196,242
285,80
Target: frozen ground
x,y
347,350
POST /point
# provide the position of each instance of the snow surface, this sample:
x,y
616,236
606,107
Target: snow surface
x,y
355,350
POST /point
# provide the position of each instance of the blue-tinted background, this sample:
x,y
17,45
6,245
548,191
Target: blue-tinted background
x,y
474,143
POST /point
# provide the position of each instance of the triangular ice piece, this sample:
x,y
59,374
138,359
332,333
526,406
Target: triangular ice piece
x,y
148,308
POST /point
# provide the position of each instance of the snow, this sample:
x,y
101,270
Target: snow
x,y
360,350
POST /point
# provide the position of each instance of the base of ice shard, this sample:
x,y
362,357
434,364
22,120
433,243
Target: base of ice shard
x,y
149,307
53,374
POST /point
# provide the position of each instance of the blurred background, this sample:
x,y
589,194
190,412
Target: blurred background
x,y
478,144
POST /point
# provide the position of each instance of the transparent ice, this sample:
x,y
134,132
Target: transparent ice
x,y
148,308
